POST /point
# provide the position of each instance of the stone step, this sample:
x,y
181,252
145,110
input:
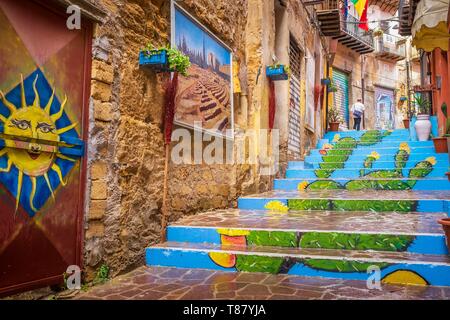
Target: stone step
x,y
358,134
394,267
362,183
418,233
427,151
345,200
378,144
292,173
439,157
360,164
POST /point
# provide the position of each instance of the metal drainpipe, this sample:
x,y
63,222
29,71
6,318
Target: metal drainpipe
x,y
363,89
408,88
326,96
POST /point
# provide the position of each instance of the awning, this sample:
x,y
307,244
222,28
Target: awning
x,y
430,28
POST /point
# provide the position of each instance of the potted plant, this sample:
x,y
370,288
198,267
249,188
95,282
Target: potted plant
x,y
325,81
378,32
278,72
446,226
332,86
423,123
440,143
407,115
164,60
334,119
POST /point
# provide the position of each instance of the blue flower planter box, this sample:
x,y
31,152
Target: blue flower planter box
x,y
403,98
156,60
325,81
277,73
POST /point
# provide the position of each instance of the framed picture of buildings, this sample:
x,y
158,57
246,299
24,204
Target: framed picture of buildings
x,y
309,88
205,96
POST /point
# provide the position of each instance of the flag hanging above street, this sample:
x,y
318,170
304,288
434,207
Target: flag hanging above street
x,y
361,9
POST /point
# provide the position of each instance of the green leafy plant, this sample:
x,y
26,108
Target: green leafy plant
x,y
102,274
332,86
286,68
423,105
333,115
377,32
177,60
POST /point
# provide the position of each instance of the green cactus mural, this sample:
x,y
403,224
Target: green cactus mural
x,y
423,168
377,206
377,242
251,263
272,238
306,204
336,157
341,266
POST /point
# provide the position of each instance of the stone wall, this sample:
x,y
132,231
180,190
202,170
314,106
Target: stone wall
x,y
126,149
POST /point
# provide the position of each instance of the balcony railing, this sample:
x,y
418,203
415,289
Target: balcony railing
x,y
346,29
351,26
390,47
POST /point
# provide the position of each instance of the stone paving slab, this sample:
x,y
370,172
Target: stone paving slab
x,y
196,284
330,221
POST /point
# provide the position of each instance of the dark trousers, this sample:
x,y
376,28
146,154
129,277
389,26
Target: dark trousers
x,y
357,125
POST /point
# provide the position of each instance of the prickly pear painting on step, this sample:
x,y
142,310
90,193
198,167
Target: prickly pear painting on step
x,y
238,240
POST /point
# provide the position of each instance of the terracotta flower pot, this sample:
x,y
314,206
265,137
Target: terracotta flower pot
x,y
406,123
334,126
440,145
446,226
448,175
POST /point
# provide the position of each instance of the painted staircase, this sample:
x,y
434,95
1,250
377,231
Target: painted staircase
x,y
366,200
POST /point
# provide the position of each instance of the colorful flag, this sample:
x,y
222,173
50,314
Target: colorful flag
x,y
361,8
363,23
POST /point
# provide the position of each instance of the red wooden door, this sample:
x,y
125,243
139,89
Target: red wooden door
x,y
44,83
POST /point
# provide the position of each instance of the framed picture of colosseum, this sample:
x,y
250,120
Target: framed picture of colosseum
x,y
205,96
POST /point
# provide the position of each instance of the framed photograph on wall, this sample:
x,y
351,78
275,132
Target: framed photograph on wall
x,y
206,95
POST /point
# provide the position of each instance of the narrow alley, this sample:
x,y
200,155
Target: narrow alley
x,y
234,149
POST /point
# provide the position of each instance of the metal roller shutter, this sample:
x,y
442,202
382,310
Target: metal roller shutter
x,y
294,140
341,97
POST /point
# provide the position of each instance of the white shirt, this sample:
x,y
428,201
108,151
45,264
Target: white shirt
x,y
358,106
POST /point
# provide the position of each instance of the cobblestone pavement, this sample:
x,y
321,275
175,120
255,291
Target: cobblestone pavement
x,y
174,283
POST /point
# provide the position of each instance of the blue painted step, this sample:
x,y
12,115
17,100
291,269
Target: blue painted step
x,y
437,172
398,183
428,151
440,157
375,165
400,267
392,232
358,134
385,144
344,200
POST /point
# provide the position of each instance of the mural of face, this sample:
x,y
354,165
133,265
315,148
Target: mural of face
x,y
31,123
30,135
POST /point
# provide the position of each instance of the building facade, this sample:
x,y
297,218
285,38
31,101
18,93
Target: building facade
x,y
101,204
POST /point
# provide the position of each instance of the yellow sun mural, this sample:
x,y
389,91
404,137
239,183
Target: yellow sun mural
x,y
31,139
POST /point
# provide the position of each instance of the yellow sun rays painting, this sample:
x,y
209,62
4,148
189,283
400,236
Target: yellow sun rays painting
x,y
33,130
